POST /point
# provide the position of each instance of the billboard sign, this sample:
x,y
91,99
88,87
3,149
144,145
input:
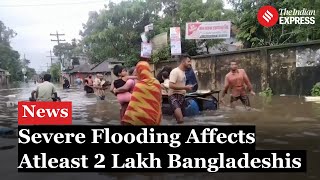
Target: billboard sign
x,y
208,30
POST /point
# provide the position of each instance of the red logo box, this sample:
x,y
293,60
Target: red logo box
x,y
44,113
268,16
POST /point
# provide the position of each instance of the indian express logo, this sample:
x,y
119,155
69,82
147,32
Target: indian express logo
x,y
295,16
268,16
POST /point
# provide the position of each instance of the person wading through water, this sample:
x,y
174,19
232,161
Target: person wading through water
x,y
178,87
236,80
145,105
88,85
45,91
99,87
123,87
66,84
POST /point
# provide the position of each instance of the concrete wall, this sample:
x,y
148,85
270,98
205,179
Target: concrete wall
x,y
276,66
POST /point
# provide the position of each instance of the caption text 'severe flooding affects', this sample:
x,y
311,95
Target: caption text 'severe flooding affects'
x,y
147,136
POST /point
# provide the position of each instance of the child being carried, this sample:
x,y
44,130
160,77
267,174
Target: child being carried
x,y
123,80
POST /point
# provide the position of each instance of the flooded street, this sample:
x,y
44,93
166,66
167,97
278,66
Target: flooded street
x,y
286,122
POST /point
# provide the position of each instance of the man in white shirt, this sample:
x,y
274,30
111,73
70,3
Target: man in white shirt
x,y
45,91
178,87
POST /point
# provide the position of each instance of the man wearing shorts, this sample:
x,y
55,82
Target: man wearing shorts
x,y
178,88
236,80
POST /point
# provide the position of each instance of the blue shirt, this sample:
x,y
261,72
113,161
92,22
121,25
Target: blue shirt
x,y
191,79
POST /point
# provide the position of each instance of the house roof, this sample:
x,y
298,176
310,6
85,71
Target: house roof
x,y
102,67
2,70
112,60
83,68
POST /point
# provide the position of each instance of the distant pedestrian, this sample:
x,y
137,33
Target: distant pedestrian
x,y
99,88
78,82
66,83
88,85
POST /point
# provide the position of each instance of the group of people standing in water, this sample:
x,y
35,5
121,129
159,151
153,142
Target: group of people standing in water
x,y
98,86
139,93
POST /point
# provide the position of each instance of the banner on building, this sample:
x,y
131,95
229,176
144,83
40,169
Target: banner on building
x,y
144,37
208,30
175,33
175,47
146,50
175,40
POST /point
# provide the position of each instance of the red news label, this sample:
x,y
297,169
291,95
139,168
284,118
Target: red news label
x,y
44,113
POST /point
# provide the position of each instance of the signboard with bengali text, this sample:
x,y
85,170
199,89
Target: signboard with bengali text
x,y
175,40
208,30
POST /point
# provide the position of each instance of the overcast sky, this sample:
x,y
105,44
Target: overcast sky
x,y
34,20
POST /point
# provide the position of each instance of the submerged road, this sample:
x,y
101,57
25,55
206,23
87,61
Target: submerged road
x,y
286,123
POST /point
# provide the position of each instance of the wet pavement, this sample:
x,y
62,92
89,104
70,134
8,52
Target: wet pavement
x,y
286,122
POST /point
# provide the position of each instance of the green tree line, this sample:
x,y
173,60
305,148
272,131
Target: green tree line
x,y
114,32
10,58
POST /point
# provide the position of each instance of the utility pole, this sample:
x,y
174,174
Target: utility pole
x,y
57,35
51,57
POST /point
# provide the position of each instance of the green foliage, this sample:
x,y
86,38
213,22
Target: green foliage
x,y
30,72
55,72
252,34
266,93
315,91
161,55
115,31
266,96
9,60
6,34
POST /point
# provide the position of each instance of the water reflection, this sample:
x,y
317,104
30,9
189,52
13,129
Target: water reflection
x,y
283,123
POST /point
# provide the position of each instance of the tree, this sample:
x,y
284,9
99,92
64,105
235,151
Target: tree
x,y
63,49
25,62
115,31
252,34
55,72
6,34
31,72
9,58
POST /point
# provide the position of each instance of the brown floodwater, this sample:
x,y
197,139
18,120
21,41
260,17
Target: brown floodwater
x,y
287,122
